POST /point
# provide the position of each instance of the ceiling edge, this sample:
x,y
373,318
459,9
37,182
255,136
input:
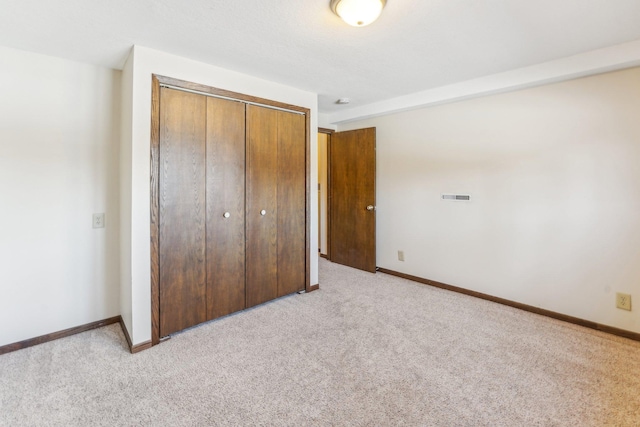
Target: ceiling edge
x,y
597,61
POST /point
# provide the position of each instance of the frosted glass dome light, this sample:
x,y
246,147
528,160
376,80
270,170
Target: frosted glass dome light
x,y
358,12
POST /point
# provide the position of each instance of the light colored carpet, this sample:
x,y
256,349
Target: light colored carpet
x,y
365,350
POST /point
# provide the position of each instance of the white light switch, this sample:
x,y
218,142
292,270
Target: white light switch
x,y
98,220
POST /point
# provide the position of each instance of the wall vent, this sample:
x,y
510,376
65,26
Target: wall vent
x,y
457,197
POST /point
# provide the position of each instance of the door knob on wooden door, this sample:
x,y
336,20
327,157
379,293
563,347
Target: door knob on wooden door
x,y
226,215
371,208
263,212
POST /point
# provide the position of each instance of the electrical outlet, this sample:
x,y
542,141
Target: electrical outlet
x,y
400,255
623,301
98,220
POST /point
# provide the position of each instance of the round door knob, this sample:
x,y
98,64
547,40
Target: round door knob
x,y
263,212
226,215
370,208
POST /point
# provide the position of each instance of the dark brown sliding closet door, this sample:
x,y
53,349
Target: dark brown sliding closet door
x,y
262,196
225,207
182,210
291,202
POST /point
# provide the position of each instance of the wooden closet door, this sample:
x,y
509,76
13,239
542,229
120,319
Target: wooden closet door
x,y
225,207
291,202
262,213
182,210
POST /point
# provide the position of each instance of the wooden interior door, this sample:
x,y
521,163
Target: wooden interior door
x,y
261,205
225,207
291,202
352,192
182,210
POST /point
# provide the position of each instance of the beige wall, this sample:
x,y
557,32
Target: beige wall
x,y
554,175
322,192
58,166
126,202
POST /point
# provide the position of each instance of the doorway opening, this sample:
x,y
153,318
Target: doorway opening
x,y
346,197
324,139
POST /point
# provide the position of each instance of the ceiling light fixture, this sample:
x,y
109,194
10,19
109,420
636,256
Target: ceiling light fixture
x,y
358,12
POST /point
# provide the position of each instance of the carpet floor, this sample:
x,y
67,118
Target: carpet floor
x,y
365,350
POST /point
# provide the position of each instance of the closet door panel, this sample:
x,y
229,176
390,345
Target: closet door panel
x,y
291,202
262,180
225,207
182,210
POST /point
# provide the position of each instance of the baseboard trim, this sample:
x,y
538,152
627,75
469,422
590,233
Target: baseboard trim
x,y
142,346
313,288
133,348
125,332
324,256
57,335
532,309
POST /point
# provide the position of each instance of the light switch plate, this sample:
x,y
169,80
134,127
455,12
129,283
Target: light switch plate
x,y
623,301
98,220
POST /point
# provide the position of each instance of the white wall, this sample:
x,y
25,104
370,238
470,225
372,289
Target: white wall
x,y
145,63
126,123
554,174
58,165
324,121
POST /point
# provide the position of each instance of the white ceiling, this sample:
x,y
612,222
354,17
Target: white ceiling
x,y
416,45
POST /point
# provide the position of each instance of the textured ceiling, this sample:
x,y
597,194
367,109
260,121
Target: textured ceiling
x,y
415,45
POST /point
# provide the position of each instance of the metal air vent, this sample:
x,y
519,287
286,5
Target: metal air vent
x,y
457,197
